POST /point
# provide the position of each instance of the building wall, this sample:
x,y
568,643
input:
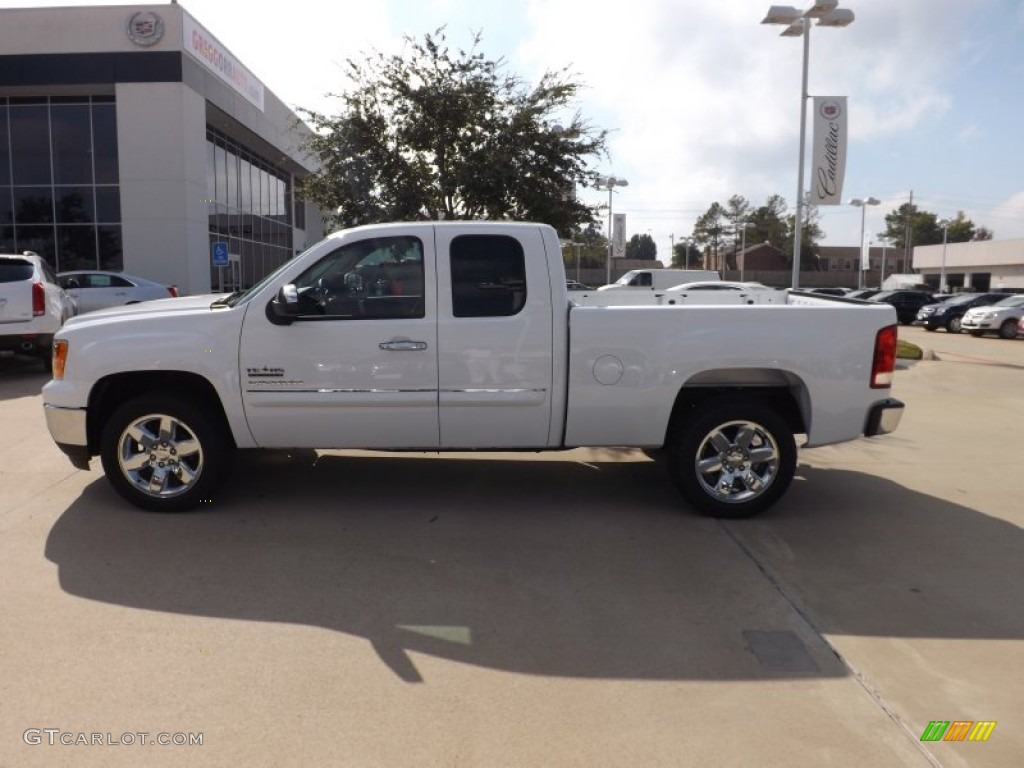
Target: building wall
x,y
161,135
999,262
161,125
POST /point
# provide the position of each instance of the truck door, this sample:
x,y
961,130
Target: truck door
x,y
494,338
358,367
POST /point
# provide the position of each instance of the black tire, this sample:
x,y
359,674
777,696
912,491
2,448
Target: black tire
x,y
47,360
655,454
691,443
1008,330
977,334
189,452
953,325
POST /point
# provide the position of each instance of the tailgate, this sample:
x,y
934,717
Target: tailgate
x,y
15,290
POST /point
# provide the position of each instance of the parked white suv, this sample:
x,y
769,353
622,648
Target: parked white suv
x,y
33,306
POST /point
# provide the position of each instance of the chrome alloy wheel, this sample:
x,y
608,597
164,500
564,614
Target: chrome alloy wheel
x,y
160,455
737,461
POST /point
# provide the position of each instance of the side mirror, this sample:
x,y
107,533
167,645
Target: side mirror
x,y
284,308
71,283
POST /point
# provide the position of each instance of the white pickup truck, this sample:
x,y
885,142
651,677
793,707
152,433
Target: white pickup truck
x,y
461,336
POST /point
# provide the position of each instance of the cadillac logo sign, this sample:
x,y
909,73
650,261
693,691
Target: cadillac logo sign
x,y
830,110
145,28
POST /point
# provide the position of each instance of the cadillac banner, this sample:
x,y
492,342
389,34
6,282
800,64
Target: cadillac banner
x,y
830,139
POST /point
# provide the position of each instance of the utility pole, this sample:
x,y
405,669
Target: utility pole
x,y
906,242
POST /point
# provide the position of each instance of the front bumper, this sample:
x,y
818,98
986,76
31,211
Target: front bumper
x,y
884,417
67,428
978,325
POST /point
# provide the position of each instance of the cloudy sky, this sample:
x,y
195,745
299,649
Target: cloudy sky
x,y
702,101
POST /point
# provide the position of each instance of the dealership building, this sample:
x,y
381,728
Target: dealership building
x,y
981,265
131,139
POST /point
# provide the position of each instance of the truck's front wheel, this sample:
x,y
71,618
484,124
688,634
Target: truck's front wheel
x,y
734,460
164,454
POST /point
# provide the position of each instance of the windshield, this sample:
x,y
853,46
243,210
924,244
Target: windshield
x,y
626,278
240,297
1011,301
963,298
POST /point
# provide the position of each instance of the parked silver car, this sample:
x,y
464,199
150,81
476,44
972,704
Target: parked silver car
x,y
1001,317
97,289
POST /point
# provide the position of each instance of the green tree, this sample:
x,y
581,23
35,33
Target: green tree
x,y
436,134
962,229
641,247
735,213
770,224
711,228
593,249
679,255
809,237
924,227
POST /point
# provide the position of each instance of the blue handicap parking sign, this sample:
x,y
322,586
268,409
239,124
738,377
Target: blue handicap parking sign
x,y
220,254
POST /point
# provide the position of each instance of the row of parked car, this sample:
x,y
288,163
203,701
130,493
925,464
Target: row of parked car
x,y
997,313
35,303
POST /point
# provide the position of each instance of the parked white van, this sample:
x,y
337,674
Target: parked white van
x,y
659,279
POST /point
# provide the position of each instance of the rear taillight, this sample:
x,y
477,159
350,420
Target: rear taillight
x,y
885,358
38,299
173,290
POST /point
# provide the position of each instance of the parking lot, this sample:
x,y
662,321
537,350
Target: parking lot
x,y
358,609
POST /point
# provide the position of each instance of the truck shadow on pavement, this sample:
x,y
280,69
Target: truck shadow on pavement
x,y
20,377
560,568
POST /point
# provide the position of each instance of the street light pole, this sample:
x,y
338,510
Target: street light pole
x,y
944,223
881,279
863,204
609,183
798,24
743,250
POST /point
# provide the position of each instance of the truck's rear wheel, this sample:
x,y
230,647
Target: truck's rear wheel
x,y
164,454
734,460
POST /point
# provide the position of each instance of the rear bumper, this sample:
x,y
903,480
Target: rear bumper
x,y
67,428
26,343
884,417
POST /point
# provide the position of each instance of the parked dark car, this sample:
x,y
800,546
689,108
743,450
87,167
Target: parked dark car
x,y
950,312
908,303
830,291
862,293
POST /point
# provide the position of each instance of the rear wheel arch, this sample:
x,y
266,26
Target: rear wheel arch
x,y
778,390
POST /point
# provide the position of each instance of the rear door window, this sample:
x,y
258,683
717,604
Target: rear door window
x,y
488,276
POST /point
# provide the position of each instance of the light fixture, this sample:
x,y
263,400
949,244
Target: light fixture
x,y
865,260
798,24
609,183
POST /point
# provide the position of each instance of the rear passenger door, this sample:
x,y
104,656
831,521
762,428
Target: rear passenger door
x,y
494,338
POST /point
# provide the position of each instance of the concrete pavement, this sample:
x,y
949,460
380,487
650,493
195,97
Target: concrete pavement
x,y
515,610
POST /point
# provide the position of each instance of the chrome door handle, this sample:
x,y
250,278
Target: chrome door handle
x,y
403,346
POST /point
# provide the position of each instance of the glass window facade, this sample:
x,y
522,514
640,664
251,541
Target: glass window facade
x,y
246,198
59,193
